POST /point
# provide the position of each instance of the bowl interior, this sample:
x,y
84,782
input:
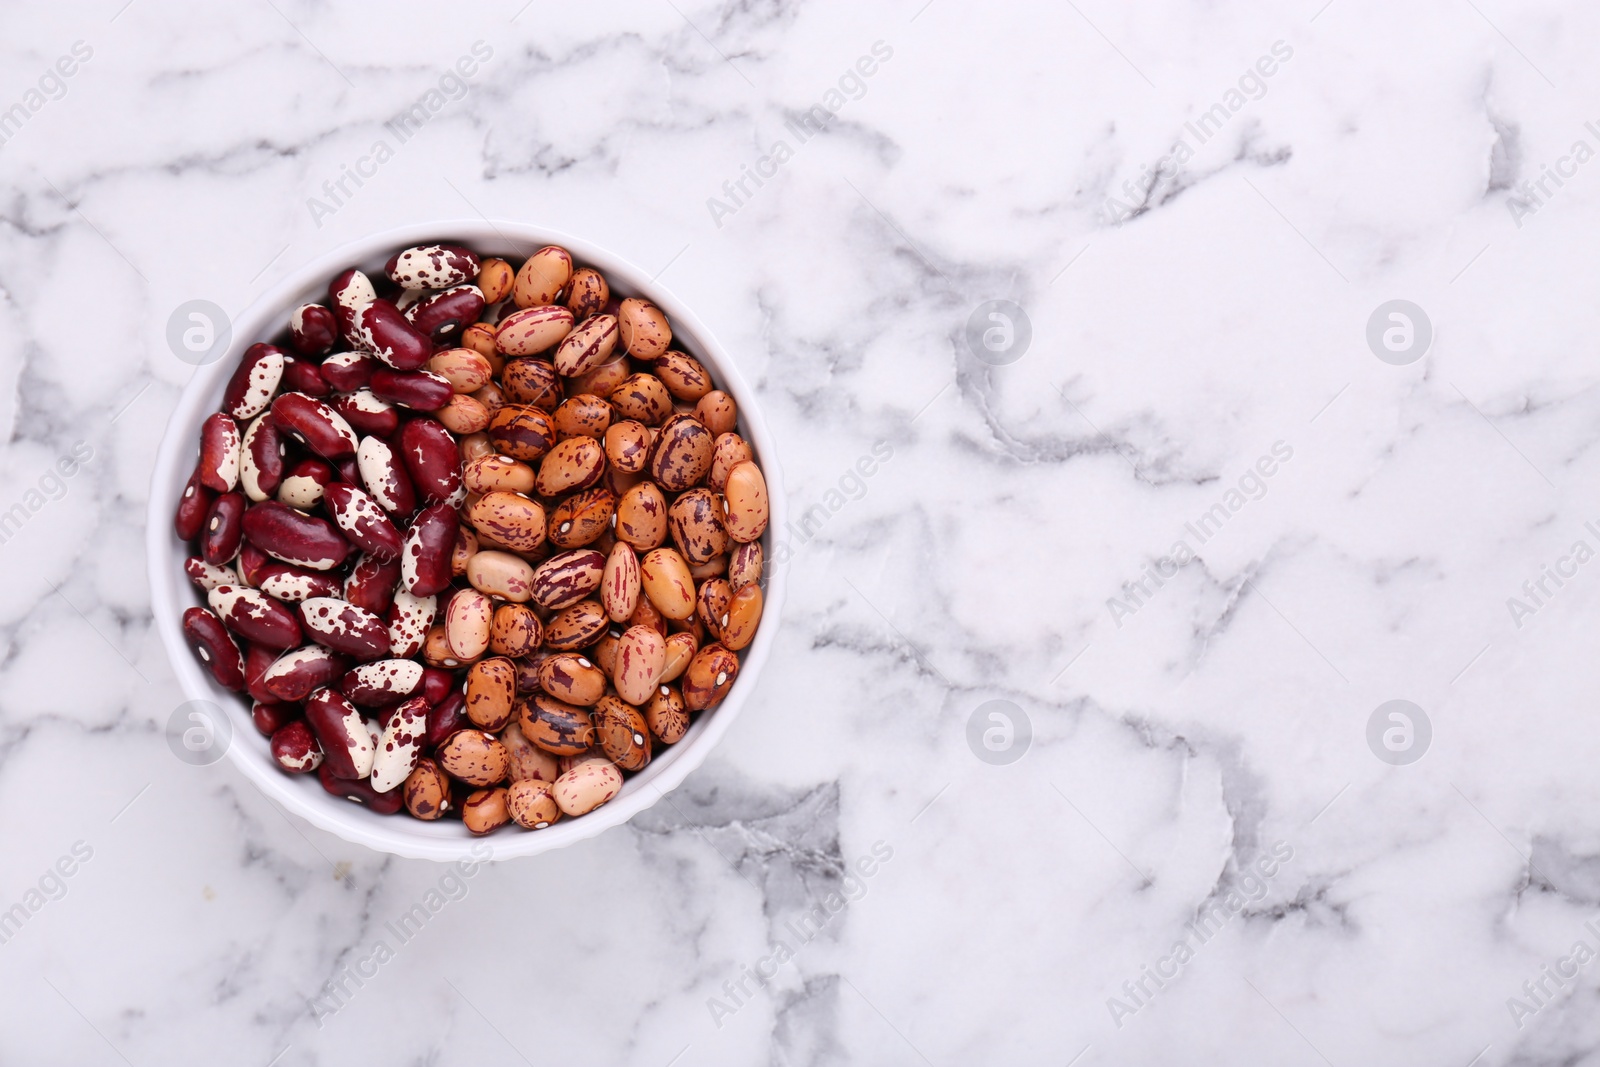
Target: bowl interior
x,y
172,592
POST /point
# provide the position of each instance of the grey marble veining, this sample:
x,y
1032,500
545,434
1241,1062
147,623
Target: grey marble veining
x,y
1200,856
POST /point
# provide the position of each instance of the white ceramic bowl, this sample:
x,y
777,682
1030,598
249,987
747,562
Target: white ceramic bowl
x,y
171,592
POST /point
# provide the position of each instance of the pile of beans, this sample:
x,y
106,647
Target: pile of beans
x,y
474,539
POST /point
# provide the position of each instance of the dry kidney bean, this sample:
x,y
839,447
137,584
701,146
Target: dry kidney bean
x,y
532,803
645,333
484,811
577,627
382,682
295,749
587,346
587,293
491,693
303,376
295,675
495,278
193,506
430,457
360,791
684,376
533,382
667,715
385,477
575,463
641,656
215,647
219,453
362,521
552,446
581,518
474,757
261,458
343,627
302,486
521,432
709,677
342,732
382,329
516,631
642,397
224,529
432,266
366,412
744,502
681,457
554,725
400,745
348,371
255,616
313,329
587,786
418,390
566,578
294,537
254,381
447,716
427,790
286,582
542,277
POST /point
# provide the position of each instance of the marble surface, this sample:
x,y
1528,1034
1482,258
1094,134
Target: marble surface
x,y
1199,858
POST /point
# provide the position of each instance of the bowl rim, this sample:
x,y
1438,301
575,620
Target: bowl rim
x,y
171,590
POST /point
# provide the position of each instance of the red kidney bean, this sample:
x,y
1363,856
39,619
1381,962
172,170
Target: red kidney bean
x,y
255,616
409,619
366,412
419,390
348,293
361,792
194,504
303,376
261,459
257,659
425,556
372,583
209,575
315,425
446,717
215,647
252,564
295,675
254,381
343,627
443,316
349,470
295,748
224,529
382,682
271,717
312,329
219,453
385,477
436,683
348,371
381,329
283,581
293,537
432,266
302,487
362,520
342,732
432,459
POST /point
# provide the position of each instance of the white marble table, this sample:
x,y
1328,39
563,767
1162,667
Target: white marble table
x,y
1196,531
